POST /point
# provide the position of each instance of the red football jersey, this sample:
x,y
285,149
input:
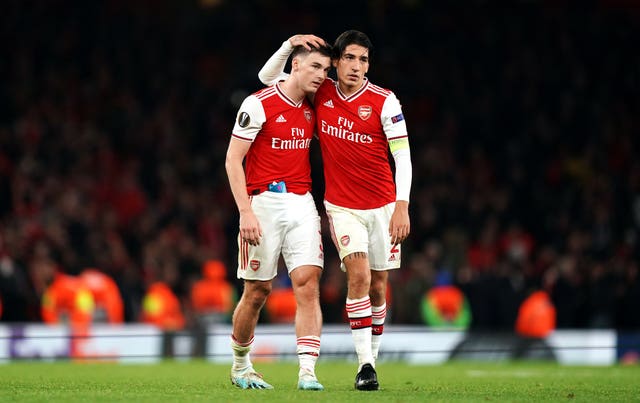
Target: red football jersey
x,y
281,132
354,132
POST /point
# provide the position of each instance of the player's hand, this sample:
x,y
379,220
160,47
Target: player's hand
x,y
250,230
307,41
399,225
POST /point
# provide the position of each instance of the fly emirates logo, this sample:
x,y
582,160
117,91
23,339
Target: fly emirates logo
x,y
296,142
344,131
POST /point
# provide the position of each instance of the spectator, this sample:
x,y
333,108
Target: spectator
x,y
67,301
213,297
162,308
109,307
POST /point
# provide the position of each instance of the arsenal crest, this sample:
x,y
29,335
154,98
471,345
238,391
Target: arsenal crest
x,y
254,264
364,111
307,115
345,240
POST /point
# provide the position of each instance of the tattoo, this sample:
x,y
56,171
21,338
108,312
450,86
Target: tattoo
x,y
356,255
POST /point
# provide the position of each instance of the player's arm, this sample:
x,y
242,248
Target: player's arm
x,y
400,224
273,69
248,124
250,229
395,129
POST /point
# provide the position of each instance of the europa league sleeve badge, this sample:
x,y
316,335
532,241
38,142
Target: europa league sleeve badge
x,y
243,119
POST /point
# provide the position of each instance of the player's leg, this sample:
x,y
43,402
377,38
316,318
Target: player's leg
x,y
358,307
257,266
377,293
383,256
305,281
351,239
303,254
244,321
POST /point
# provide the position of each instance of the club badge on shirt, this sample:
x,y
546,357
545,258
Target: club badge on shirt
x,y
364,111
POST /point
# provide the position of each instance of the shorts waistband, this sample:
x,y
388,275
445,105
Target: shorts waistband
x,y
257,191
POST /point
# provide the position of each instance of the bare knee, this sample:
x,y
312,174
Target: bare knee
x,y
255,293
306,282
378,289
359,278
358,275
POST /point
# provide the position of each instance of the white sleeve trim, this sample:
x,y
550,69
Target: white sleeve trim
x,y
273,69
404,173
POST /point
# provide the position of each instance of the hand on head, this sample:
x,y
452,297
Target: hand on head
x,y
307,41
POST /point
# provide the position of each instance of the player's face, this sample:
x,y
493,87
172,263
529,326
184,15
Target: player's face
x,y
352,66
312,71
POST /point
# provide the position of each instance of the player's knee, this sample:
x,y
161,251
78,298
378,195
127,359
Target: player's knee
x,y
307,290
377,295
359,278
378,287
305,277
256,293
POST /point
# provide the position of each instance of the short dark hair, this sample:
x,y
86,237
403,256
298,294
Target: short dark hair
x,y
351,37
301,50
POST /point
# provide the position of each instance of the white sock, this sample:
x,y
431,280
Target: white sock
x,y
359,313
241,359
308,349
378,315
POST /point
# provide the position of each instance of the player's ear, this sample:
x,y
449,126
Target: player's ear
x,y
334,63
295,63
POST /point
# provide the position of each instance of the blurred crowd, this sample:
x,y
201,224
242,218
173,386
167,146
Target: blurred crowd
x,y
524,121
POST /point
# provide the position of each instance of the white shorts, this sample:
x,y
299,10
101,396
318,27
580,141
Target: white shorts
x,y
291,227
364,231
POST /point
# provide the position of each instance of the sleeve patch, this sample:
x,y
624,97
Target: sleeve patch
x,y
397,118
243,119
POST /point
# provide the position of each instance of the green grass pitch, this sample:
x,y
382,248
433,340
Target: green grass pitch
x,y
193,381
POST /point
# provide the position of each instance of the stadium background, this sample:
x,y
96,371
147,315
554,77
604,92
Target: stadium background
x,y
523,121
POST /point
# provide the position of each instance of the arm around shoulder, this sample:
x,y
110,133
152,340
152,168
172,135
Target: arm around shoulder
x,y
273,69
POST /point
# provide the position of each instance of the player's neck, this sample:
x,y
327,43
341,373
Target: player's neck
x,y
292,90
348,90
